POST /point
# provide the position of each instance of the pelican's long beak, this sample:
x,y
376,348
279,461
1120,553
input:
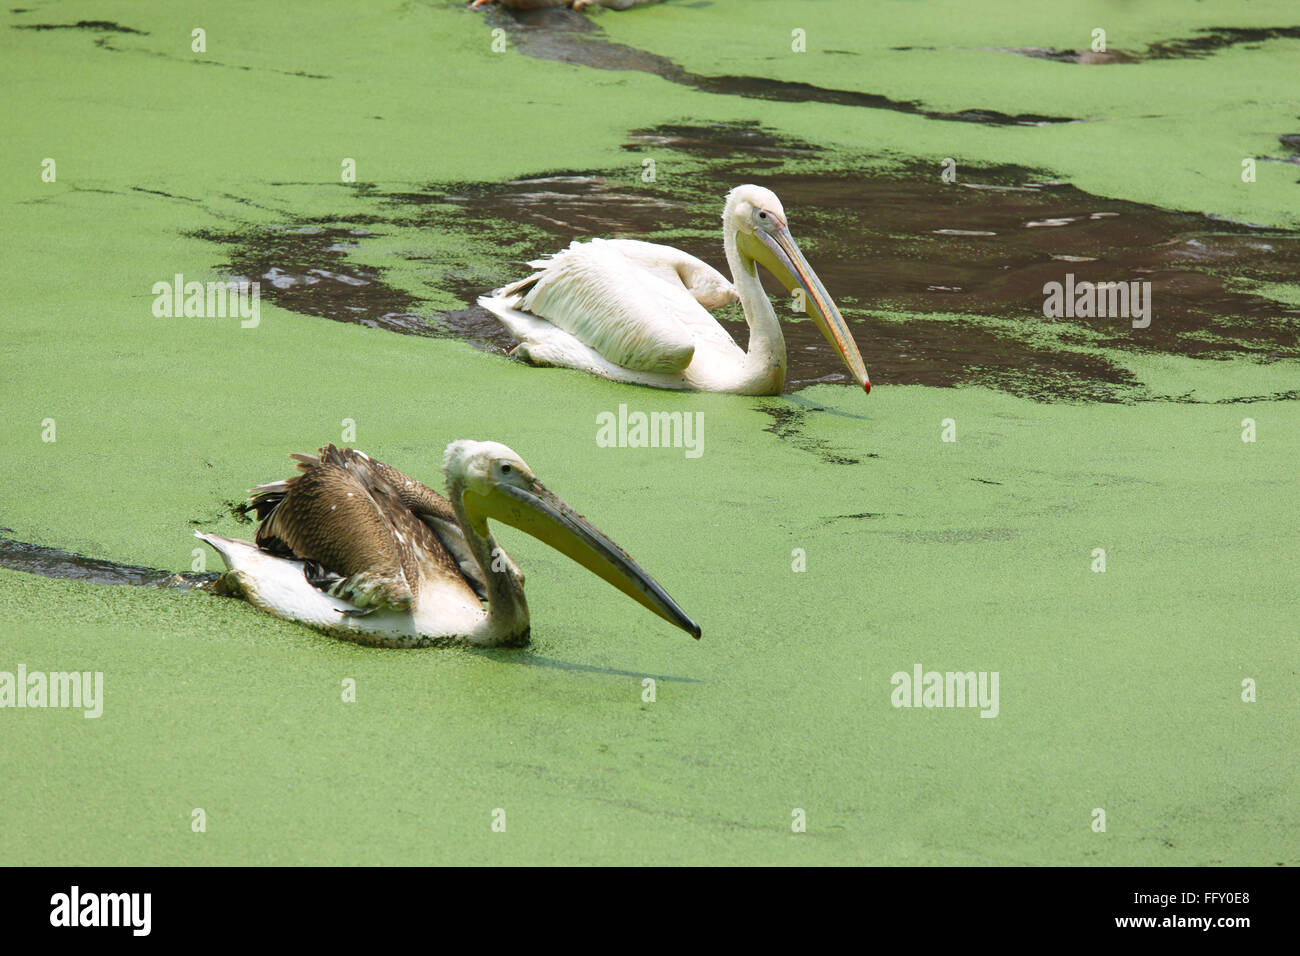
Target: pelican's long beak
x,y
541,513
779,254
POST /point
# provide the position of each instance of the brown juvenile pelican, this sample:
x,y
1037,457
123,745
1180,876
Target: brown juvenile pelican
x,y
356,548
638,312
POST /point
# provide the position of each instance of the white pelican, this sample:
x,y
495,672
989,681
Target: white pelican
x,y
358,549
638,312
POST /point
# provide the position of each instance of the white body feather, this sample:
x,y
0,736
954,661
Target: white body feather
x,y
442,612
634,312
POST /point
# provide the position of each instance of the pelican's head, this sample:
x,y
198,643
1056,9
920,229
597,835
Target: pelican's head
x,y
494,482
756,219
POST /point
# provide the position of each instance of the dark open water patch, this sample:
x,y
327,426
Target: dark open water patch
x,y
1209,41
95,26
53,563
789,423
1291,142
745,140
105,30
305,269
943,283
567,37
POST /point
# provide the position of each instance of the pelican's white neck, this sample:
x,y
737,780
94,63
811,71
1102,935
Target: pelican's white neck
x,y
765,359
507,608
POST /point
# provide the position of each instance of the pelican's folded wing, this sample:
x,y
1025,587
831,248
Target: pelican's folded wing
x,y
706,285
351,516
613,303
427,505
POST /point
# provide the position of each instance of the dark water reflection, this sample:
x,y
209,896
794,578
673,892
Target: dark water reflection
x,y
943,283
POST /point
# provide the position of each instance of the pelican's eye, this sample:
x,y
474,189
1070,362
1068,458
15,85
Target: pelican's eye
x,y
505,469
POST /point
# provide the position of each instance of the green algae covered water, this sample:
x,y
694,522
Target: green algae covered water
x,y
376,168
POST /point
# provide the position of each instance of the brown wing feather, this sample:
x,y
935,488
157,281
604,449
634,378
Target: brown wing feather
x,y
433,510
357,518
